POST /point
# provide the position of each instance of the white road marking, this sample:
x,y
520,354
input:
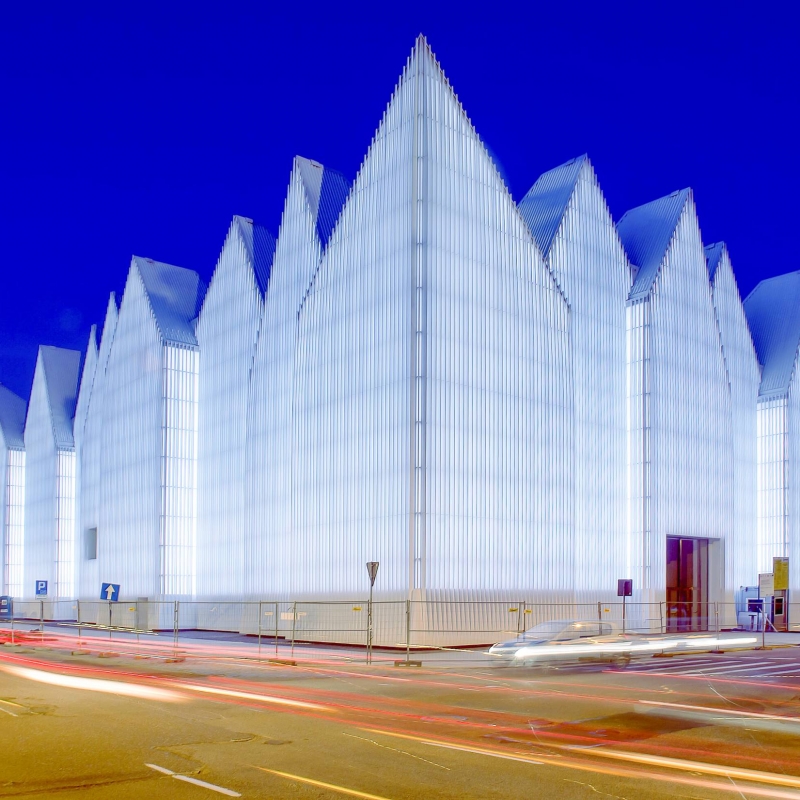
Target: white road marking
x,y
186,779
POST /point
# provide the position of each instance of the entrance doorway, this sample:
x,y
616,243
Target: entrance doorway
x,y
687,584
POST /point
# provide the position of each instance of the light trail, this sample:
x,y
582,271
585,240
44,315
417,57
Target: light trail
x,y
330,786
93,684
586,766
252,697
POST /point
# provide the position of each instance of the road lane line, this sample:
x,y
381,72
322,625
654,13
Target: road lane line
x,y
160,769
212,786
194,781
331,786
10,713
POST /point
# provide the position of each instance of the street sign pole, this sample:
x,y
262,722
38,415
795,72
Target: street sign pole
x,y
372,571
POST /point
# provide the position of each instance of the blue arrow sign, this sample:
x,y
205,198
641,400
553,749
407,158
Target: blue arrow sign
x,y
41,588
109,591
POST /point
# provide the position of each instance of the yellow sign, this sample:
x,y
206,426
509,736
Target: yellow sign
x,y
780,569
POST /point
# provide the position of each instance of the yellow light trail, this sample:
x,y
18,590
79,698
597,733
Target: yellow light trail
x,y
332,787
571,763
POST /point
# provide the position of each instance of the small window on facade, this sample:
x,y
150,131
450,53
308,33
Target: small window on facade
x,y
91,543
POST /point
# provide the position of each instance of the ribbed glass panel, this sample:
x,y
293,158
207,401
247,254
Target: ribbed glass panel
x,y
432,409
773,469
41,465
590,265
14,520
792,548
94,461
131,416
179,470
681,440
226,333
65,525
744,376
269,543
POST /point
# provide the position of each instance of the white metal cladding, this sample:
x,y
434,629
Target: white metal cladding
x,y
744,376
268,525
433,389
679,405
569,216
93,458
50,474
226,332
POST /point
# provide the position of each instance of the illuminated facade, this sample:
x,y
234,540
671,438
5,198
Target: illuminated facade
x,y
12,490
773,310
50,524
494,401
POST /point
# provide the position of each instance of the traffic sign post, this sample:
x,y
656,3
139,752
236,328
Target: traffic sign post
x,y
372,571
624,589
766,590
109,591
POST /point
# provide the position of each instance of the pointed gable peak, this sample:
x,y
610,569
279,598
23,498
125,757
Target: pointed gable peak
x,y
61,372
12,418
92,346
175,296
714,253
646,233
326,193
543,207
259,245
773,312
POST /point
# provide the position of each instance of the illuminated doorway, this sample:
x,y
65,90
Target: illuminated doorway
x,y
687,584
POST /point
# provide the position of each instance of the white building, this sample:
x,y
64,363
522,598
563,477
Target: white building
x,y
494,401
50,525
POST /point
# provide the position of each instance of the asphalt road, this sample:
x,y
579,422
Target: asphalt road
x,y
700,726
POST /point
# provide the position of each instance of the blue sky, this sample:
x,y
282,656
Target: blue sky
x,y
144,129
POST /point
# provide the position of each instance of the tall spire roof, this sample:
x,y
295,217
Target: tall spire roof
x,y
12,418
175,295
773,311
544,205
646,233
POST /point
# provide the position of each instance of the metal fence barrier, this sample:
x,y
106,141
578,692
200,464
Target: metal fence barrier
x,y
406,625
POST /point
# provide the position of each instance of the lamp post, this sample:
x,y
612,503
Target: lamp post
x,y
372,571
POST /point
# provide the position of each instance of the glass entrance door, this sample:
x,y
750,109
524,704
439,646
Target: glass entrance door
x,y
687,584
